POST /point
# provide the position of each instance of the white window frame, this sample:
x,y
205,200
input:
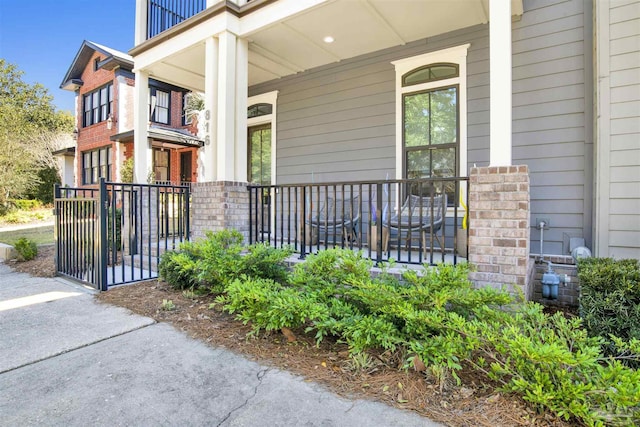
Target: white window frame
x,y
266,98
454,55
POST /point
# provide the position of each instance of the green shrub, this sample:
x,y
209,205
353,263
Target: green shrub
x,y
179,269
268,305
214,262
114,230
438,316
610,298
27,249
47,177
26,204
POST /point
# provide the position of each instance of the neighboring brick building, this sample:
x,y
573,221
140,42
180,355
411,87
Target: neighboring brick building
x,y
103,82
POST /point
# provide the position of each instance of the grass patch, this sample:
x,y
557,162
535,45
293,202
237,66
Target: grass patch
x,y
40,235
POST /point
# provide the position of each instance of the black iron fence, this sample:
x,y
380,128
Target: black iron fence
x,y
116,233
164,14
409,221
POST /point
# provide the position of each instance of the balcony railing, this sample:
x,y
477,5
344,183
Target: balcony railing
x,y
409,221
164,14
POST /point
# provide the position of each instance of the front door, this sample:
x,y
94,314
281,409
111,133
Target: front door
x,y
259,169
185,166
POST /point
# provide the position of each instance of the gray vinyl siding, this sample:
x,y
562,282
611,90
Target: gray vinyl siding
x,y
551,116
624,143
337,122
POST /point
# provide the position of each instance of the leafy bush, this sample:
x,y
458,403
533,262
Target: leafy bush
x,y
437,316
47,177
214,262
27,249
179,269
114,229
610,298
268,305
26,204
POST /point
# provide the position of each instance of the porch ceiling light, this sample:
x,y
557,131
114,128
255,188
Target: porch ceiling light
x,y
328,39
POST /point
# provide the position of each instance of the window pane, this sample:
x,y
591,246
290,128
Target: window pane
x,y
444,114
419,164
443,162
87,110
416,120
258,110
429,74
162,115
162,99
96,107
103,103
110,99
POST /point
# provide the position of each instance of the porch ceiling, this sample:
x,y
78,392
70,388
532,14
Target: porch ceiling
x,y
358,27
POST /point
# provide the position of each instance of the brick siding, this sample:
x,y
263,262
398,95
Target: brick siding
x,y
219,205
499,211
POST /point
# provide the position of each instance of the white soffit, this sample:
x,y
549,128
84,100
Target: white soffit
x,y
296,43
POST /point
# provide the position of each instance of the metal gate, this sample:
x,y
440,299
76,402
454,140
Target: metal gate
x,y
116,233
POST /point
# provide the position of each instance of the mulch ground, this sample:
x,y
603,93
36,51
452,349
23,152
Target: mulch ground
x,y
380,377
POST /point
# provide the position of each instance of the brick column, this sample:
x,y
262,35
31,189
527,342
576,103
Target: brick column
x,y
499,212
219,205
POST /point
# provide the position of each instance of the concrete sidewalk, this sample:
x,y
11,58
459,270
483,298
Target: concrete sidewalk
x,y
68,360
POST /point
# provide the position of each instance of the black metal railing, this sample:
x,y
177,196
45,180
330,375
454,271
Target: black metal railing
x,y
164,14
116,233
409,221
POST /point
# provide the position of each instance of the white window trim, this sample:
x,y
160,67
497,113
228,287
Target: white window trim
x,y
455,55
266,98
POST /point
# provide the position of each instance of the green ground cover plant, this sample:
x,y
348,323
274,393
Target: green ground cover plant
x,y
435,317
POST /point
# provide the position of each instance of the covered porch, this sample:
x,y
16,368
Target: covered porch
x,y
313,106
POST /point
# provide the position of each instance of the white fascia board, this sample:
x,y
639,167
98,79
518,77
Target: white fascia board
x,y
195,35
274,13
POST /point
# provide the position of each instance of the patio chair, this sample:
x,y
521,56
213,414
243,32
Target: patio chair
x,y
336,218
419,214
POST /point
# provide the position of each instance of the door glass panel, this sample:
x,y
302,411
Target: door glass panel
x,y
260,152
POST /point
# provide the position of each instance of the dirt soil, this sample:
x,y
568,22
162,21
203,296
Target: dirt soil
x,y
41,266
380,378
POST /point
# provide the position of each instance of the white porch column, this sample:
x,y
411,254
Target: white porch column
x,y
242,93
143,161
207,167
226,107
500,83
141,21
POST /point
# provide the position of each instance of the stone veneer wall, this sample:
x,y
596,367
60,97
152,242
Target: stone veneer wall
x,y
219,205
499,212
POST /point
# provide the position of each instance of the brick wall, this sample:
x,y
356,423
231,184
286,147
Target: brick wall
x,y
219,205
96,135
499,211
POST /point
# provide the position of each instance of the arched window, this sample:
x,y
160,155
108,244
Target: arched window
x,y
430,73
431,108
257,110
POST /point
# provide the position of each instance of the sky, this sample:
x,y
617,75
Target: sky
x,y
42,37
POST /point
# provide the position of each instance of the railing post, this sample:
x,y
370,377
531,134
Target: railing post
x,y
249,188
303,223
56,225
379,223
187,195
103,211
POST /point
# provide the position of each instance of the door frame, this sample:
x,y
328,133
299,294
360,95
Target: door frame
x,y
266,98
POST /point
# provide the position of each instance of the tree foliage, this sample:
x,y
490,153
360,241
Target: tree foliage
x,y
30,129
